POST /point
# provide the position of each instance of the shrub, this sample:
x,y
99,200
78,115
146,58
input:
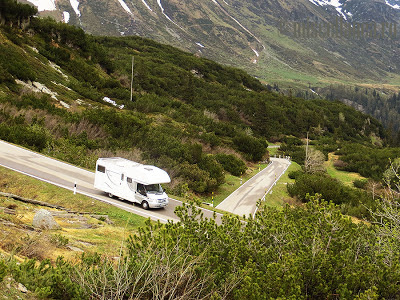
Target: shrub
x,y
330,189
209,164
360,183
231,164
46,280
198,180
295,174
59,240
254,148
3,270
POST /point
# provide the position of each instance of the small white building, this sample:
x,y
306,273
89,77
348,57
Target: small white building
x,y
132,181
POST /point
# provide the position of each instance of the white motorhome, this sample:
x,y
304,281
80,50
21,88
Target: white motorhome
x,y
131,181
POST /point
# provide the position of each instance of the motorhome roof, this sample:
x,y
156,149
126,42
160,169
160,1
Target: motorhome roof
x,y
144,174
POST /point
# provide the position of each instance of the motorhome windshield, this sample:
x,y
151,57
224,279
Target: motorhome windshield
x,y
154,188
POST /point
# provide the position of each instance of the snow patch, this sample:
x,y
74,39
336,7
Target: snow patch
x,y
75,6
237,22
44,4
124,6
162,11
255,51
66,16
108,100
200,45
335,3
395,6
145,4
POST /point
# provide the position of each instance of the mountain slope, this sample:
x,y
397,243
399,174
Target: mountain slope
x,y
255,35
67,94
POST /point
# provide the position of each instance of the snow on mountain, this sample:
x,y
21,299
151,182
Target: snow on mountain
x,y
124,6
393,3
162,11
335,3
145,4
75,6
256,52
44,4
66,16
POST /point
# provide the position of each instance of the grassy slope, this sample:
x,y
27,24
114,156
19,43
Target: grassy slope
x,y
345,177
101,237
278,194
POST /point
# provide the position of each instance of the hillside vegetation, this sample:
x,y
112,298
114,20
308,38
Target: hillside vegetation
x,y
185,111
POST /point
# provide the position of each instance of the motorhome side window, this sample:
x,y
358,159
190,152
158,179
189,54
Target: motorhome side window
x,y
129,180
101,169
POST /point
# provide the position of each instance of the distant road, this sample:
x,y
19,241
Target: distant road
x,y
65,175
243,201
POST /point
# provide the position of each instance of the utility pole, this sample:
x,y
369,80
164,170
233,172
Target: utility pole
x,y
306,150
132,78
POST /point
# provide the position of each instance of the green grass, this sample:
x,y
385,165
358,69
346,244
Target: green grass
x,y
277,195
346,178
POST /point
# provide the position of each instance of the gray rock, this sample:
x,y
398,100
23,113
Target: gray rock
x,y
44,220
73,248
22,288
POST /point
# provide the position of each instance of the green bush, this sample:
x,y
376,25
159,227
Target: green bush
x,y
46,280
309,184
231,163
360,183
254,148
210,165
295,174
352,201
198,180
3,270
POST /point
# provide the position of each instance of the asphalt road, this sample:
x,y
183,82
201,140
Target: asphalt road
x,y
243,201
65,175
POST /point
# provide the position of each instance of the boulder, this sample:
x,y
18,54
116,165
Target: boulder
x,y
44,220
22,288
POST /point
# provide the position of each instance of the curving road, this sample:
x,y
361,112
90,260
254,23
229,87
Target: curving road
x,y
65,175
243,201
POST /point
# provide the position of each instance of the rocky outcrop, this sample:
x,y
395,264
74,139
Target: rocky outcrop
x,y
44,220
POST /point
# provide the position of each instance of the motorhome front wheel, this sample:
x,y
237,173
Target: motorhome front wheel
x,y
145,205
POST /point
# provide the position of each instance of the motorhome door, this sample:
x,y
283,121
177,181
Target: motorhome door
x,y
140,194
